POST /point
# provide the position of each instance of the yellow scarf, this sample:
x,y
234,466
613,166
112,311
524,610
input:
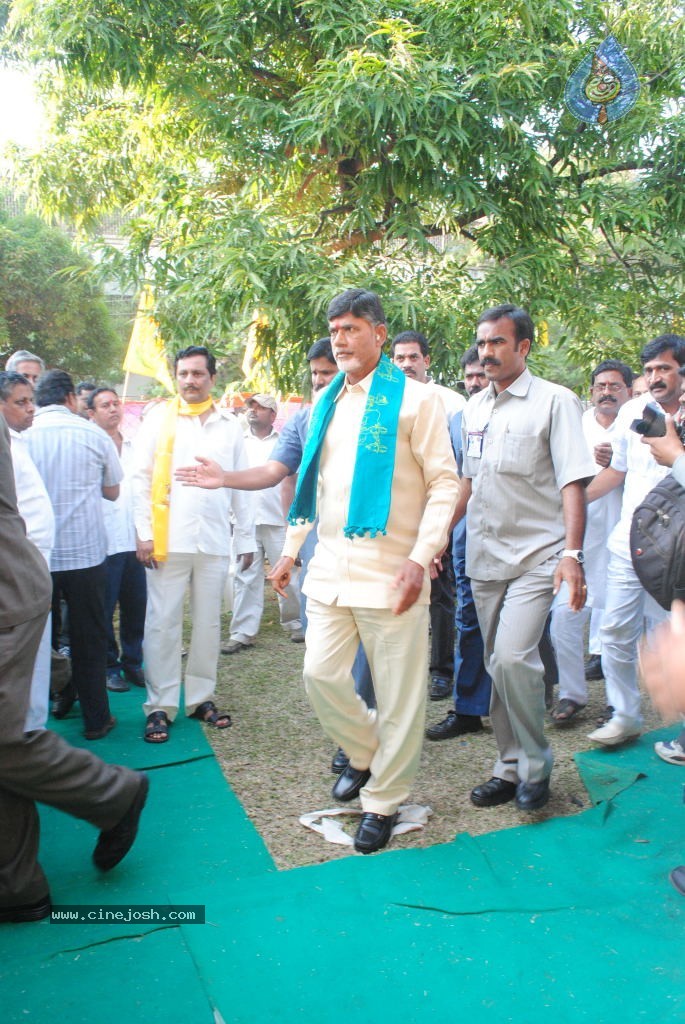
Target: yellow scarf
x,y
161,471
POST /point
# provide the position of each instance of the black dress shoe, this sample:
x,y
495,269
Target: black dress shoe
x,y
440,689
115,683
114,843
350,783
21,913
134,675
339,762
593,668
493,792
454,725
531,796
374,832
64,702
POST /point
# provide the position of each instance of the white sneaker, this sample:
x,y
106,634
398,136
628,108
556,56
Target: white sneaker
x,y
670,751
615,732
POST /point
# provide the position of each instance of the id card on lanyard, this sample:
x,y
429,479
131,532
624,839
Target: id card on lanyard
x,y
474,443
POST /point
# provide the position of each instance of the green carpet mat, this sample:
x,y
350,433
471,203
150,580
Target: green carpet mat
x,y
572,919
125,744
148,978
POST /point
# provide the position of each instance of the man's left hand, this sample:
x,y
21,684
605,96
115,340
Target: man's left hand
x,y
280,574
667,449
408,582
571,572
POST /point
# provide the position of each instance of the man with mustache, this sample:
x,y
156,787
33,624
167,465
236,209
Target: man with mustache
x,y
523,495
409,351
627,603
610,389
184,539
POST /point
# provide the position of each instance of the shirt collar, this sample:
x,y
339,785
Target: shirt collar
x,y
519,387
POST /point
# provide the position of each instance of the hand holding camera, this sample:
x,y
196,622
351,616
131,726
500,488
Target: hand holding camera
x,y
664,436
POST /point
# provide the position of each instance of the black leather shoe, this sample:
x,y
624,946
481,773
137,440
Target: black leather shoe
x,y
114,843
454,725
374,832
593,668
64,702
135,676
115,684
339,762
531,796
440,689
493,792
21,913
350,783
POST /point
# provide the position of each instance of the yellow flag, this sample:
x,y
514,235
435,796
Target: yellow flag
x,y
145,354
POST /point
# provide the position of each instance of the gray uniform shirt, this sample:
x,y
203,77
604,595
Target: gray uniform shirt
x,y
520,448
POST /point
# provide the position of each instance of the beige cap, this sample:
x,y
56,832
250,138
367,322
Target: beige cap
x,y
266,402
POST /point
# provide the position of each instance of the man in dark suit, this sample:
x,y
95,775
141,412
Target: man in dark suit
x,y
40,765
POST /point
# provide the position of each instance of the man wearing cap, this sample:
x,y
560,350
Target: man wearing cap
x,y
184,539
248,585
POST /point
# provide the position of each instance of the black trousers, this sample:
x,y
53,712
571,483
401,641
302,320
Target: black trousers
x,y
84,592
443,598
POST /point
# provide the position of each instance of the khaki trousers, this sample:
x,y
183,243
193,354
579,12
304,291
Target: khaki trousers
x,y
388,742
512,616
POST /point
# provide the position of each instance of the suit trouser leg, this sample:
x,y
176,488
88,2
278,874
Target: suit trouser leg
x,y
512,614
397,648
442,604
84,590
115,570
41,766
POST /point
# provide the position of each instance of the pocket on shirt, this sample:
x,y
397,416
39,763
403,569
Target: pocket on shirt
x,y
517,454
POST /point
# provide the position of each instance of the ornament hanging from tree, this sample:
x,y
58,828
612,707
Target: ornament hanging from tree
x,y
604,86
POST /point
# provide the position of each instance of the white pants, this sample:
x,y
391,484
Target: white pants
x,y
627,605
388,742
248,589
206,575
568,637
37,714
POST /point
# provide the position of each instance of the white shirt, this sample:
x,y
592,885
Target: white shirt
x,y
268,507
199,519
603,514
643,472
452,402
33,502
119,523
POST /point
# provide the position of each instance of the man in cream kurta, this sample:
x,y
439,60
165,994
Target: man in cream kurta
x,y
374,588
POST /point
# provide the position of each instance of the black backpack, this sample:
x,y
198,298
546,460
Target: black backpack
x,y
657,542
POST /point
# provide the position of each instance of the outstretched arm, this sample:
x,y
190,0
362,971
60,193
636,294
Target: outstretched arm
x,y
209,474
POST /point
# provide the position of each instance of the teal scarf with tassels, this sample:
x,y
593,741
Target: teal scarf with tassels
x,y
375,462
